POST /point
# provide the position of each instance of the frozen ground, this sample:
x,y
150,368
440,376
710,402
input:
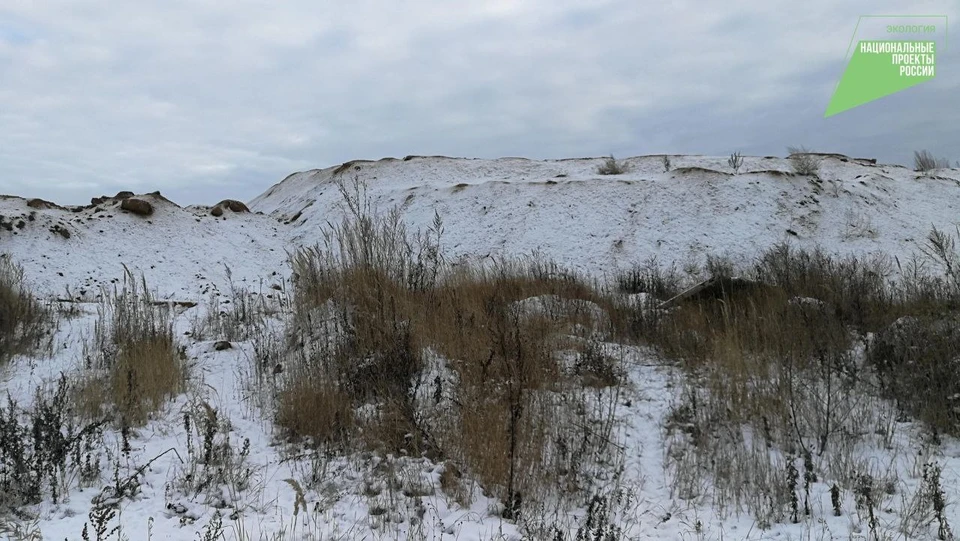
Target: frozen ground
x,y
559,209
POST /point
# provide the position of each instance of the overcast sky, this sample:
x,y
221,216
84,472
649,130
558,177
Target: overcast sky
x,y
209,99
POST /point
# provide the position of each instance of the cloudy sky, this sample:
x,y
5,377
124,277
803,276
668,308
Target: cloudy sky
x,y
208,99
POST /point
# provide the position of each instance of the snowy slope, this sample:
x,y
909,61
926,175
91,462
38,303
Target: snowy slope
x,y
561,209
564,210
182,252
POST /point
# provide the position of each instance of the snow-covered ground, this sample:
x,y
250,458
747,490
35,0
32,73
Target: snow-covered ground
x,y
559,209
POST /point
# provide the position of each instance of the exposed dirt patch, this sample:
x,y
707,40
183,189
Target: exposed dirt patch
x,y
137,206
43,204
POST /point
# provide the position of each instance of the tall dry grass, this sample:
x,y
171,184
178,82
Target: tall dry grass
x,y
23,319
811,361
134,362
396,350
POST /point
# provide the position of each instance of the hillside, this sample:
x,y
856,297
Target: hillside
x,y
369,399
560,209
564,210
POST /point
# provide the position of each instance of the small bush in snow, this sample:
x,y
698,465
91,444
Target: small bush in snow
x,y
803,161
652,278
735,161
924,161
917,364
238,317
611,167
45,450
212,460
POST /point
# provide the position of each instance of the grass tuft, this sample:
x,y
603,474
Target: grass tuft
x,y
924,161
23,320
612,167
135,362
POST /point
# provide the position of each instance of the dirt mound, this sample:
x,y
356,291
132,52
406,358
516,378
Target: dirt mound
x,y
347,165
772,172
43,204
137,206
228,204
681,170
233,205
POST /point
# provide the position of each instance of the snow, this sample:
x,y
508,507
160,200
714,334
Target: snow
x,y
563,209
558,209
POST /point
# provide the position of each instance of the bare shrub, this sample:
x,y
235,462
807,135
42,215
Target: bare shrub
x,y
941,249
135,362
927,506
917,363
855,288
652,278
237,317
612,167
858,226
924,161
215,466
23,319
314,407
803,161
46,451
735,161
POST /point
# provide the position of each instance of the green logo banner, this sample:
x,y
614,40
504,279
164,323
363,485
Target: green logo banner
x,y
882,67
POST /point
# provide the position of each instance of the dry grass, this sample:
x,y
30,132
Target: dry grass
x,y
778,377
396,351
924,161
135,362
23,319
317,408
613,167
803,161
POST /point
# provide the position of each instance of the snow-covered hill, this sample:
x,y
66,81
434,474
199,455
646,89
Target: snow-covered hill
x,y
182,252
560,209
563,209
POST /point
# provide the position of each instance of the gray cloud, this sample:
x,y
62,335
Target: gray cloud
x,y
206,99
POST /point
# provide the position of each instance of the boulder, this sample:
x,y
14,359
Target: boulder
x,y
137,206
216,211
233,205
221,345
123,195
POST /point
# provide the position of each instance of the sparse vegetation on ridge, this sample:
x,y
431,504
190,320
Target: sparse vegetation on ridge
x,y
735,161
612,167
804,161
924,161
